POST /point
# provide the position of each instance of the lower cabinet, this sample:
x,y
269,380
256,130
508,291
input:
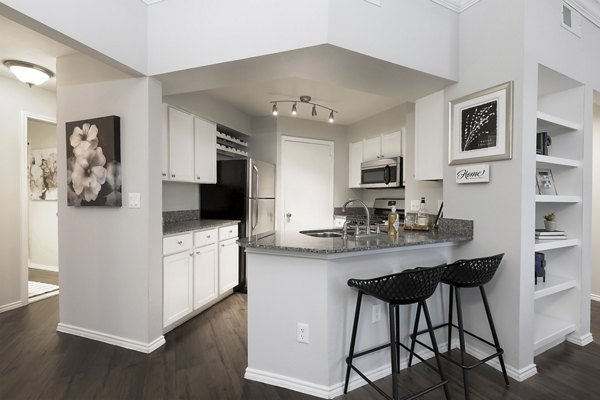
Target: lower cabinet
x,y
228,265
199,269
205,275
178,287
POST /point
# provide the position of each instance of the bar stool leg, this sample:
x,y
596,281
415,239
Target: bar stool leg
x,y
414,335
394,350
461,336
352,341
450,306
435,347
495,336
397,308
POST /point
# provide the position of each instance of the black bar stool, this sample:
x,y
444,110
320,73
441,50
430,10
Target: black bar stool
x,y
407,287
467,274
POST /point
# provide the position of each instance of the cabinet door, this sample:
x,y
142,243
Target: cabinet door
x,y
205,275
355,157
205,151
429,137
228,265
372,148
177,287
391,145
181,146
165,142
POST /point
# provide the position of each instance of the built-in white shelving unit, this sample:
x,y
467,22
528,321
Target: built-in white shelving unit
x,y
558,303
231,143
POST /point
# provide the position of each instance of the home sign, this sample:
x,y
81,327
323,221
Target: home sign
x,y
474,173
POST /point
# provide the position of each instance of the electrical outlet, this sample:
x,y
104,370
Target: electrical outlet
x,y
414,205
302,334
376,313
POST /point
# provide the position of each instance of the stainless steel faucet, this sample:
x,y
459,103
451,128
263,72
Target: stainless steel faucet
x,y
366,211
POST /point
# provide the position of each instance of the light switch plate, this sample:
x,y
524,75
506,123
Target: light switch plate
x,y
134,200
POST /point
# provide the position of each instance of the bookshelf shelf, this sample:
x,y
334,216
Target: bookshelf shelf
x,y
553,285
540,198
543,245
554,124
548,330
549,161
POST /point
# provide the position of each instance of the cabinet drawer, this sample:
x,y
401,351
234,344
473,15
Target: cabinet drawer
x,y
174,244
203,238
228,232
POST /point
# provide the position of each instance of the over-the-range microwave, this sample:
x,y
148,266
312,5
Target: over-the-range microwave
x,y
382,173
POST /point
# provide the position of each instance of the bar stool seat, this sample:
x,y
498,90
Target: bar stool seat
x,y
411,286
467,274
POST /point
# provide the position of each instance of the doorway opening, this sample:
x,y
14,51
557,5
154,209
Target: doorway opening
x,y
41,225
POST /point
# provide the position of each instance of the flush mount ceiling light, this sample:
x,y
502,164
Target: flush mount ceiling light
x,y
31,74
303,100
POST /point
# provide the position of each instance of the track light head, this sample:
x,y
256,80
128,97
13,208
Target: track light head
x,y
331,119
275,109
294,109
314,111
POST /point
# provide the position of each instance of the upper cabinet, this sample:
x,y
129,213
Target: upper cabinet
x,y
386,145
429,137
355,157
189,147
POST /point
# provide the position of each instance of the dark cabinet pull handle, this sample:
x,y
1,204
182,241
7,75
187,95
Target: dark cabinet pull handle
x,y
164,174
172,175
179,242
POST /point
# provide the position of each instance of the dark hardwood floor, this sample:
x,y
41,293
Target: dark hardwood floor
x,y
205,359
41,275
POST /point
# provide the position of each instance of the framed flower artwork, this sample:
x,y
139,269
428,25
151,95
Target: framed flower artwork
x,y
42,174
94,162
481,126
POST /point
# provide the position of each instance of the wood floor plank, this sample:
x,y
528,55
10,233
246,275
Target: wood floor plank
x,y
205,359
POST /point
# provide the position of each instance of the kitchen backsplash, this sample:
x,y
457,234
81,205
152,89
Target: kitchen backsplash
x,y
179,216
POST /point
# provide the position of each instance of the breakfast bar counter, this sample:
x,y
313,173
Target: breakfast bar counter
x,y
300,279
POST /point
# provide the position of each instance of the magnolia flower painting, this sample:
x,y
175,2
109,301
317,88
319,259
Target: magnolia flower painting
x,y
94,162
42,174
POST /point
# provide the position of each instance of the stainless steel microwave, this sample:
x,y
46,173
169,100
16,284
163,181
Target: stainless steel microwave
x,y
383,173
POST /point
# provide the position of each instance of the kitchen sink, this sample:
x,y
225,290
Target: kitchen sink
x,y
324,233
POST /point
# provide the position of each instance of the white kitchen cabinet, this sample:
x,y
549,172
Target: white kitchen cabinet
x,y
181,146
429,137
386,145
228,265
165,142
205,274
355,157
177,286
205,151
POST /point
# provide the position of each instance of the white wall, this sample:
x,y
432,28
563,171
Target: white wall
x,y
110,258
596,207
178,196
43,215
113,30
16,97
420,35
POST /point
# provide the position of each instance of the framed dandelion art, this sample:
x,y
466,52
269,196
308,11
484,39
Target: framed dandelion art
x,y
481,126
94,162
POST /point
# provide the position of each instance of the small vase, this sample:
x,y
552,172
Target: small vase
x,y
550,225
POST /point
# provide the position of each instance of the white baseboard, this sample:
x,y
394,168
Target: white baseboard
x,y
517,374
53,268
581,340
595,297
11,306
111,339
329,392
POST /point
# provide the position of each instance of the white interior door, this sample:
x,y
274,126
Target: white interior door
x,y
307,184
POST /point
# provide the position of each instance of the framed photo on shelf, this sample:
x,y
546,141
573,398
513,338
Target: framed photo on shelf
x,y
545,182
481,126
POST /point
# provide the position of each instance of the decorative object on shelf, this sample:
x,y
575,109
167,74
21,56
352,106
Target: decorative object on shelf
x,y
540,266
545,182
550,222
543,141
42,174
303,100
26,72
94,162
476,173
481,126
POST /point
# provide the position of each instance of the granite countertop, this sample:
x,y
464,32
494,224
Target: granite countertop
x,y
171,228
451,231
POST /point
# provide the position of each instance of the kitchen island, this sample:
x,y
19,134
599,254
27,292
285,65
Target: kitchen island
x,y
298,279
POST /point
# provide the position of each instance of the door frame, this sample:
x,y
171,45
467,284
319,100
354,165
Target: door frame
x,y
280,201
24,196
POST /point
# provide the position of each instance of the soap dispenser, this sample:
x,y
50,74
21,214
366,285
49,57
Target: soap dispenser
x,y
393,222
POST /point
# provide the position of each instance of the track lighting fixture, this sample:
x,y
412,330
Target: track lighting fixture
x,y
303,100
31,74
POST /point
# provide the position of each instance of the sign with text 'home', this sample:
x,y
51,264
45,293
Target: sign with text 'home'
x,y
475,173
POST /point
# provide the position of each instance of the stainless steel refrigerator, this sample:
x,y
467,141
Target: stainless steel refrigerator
x,y
245,190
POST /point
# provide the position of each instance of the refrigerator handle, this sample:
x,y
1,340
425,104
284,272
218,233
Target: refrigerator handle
x,y
256,187
254,217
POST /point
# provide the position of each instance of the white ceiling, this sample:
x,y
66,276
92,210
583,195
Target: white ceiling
x,y
20,43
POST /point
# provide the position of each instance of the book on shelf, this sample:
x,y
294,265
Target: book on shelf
x,y
556,237
544,232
